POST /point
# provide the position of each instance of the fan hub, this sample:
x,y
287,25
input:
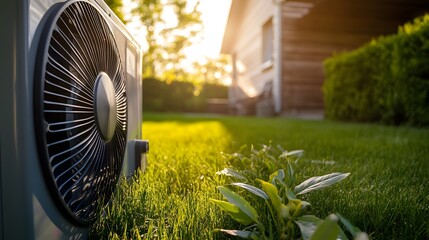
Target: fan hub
x,y
105,106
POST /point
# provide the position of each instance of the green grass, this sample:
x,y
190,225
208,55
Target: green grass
x,y
386,195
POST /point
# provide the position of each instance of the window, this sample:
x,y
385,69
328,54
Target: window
x,y
267,41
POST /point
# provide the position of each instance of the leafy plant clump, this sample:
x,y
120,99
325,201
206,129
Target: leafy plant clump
x,y
282,215
384,81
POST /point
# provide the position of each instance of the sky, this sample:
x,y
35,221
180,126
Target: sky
x,y
214,15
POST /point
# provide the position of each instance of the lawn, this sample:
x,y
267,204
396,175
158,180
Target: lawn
x,y
386,194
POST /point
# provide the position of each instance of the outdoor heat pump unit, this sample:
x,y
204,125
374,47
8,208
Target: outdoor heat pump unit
x,y
71,112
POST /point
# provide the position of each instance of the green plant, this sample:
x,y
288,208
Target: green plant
x,y
283,212
258,163
386,195
385,80
179,96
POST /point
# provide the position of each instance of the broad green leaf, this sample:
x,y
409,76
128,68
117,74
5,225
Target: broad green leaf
x,y
356,232
238,233
278,175
328,229
342,235
231,173
285,212
273,193
305,205
291,174
297,153
319,182
258,192
298,207
233,211
240,202
307,225
352,229
290,195
362,236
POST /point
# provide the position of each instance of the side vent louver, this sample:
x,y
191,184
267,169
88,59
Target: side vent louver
x,y
80,109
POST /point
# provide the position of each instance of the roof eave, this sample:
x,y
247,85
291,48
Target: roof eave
x,y
231,26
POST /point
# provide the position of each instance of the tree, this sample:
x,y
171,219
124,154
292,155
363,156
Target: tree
x,y
213,70
150,15
167,40
189,25
116,6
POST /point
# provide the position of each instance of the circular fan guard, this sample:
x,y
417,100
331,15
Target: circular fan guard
x,y
82,158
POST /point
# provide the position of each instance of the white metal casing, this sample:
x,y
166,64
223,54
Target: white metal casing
x,y
27,210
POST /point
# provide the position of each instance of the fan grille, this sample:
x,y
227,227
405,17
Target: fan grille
x,y
82,166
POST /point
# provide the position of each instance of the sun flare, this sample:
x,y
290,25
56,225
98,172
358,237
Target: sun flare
x,y
214,15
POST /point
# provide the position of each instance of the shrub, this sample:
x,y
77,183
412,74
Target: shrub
x,y
178,96
154,91
386,80
282,215
213,90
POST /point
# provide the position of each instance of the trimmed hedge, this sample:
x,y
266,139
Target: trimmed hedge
x,y
386,80
178,96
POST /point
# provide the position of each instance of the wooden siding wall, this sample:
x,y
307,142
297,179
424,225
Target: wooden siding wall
x,y
313,30
247,47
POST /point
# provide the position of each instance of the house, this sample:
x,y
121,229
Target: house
x,y
278,47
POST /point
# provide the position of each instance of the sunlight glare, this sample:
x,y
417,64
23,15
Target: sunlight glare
x,y
227,81
214,15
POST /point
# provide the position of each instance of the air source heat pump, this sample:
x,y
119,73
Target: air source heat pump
x,y
71,112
